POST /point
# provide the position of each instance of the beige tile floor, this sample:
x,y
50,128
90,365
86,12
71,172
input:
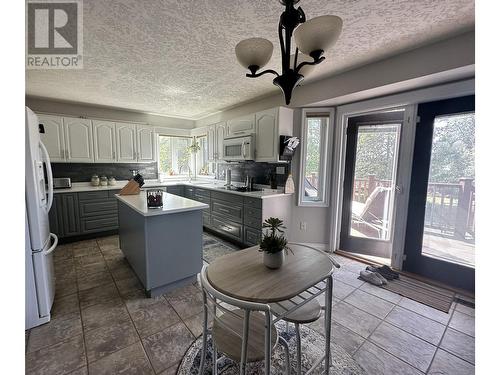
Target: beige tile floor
x,y
104,324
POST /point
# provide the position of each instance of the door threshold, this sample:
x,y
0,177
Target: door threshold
x,y
368,259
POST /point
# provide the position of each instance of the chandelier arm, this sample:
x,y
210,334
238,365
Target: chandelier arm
x,y
304,63
282,43
295,60
255,75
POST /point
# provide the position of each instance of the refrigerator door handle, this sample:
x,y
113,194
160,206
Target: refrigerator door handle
x,y
50,182
54,245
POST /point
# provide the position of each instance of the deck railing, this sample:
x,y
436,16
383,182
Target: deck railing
x,y
450,208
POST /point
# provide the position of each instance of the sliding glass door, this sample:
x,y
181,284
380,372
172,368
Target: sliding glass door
x,y
440,237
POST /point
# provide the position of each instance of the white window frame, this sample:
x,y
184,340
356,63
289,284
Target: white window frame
x,y
325,156
197,167
163,177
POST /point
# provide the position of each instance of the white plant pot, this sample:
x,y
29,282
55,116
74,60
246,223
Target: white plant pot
x,y
274,260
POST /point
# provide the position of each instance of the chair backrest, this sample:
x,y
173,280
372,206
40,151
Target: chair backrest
x,y
215,301
375,203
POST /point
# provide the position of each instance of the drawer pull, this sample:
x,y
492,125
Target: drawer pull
x,y
224,210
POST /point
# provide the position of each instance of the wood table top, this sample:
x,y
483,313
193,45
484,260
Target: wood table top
x,y
244,276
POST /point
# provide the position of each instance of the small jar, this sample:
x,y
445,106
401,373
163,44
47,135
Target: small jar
x,y
111,181
94,180
104,181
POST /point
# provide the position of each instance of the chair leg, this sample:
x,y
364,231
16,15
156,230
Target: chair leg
x,y
299,349
287,354
204,347
214,359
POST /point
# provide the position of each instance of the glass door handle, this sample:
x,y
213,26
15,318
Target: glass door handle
x,y
399,189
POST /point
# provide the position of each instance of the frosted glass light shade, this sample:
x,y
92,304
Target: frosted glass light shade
x,y
306,69
319,33
254,51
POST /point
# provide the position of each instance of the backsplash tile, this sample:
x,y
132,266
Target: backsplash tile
x,y
261,172
82,172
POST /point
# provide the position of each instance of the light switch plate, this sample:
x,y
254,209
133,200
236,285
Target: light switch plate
x,y
280,170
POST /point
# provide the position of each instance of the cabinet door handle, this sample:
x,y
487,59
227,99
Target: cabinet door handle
x,y
114,157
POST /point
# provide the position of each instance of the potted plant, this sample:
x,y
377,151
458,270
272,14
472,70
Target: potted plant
x,y
273,243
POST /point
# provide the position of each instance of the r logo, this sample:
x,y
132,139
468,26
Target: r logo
x,y
53,28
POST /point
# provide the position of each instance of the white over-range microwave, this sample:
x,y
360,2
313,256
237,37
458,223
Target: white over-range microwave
x,y
239,148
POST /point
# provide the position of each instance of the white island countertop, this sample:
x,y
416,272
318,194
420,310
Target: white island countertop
x,y
171,204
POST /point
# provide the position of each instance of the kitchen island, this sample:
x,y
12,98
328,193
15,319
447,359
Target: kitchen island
x,y
163,245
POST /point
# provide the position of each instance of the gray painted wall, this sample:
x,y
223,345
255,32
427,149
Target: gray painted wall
x,y
80,109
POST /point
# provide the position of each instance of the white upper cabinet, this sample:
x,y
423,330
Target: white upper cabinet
x,y
53,137
104,141
211,143
219,140
78,139
240,126
269,125
125,143
146,150
215,138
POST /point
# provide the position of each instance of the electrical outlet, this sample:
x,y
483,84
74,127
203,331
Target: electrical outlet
x,y
280,170
303,225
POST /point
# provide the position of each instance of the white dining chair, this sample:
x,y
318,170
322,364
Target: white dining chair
x,y
241,334
307,313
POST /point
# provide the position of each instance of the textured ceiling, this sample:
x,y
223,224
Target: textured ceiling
x,y
177,57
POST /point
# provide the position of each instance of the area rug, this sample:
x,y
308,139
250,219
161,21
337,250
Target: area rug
x,y
433,296
313,347
215,250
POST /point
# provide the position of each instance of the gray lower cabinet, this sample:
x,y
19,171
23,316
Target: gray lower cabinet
x,y
75,214
64,218
233,216
236,217
228,228
252,236
252,218
176,190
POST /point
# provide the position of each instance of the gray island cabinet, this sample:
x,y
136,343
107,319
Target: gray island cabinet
x,y
163,245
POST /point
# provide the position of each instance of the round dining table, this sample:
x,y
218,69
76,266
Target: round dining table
x,y
306,273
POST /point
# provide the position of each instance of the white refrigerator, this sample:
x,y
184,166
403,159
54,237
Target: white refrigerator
x,y
39,242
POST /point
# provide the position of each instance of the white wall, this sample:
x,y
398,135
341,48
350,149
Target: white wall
x,y
81,109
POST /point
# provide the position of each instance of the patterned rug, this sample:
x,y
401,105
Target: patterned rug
x,y
313,346
214,247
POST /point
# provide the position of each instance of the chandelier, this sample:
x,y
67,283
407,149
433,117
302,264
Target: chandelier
x,y
312,39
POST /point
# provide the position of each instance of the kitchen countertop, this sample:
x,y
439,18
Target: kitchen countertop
x,y
210,185
171,204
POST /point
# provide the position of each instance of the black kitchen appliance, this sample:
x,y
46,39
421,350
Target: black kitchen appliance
x,y
288,144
